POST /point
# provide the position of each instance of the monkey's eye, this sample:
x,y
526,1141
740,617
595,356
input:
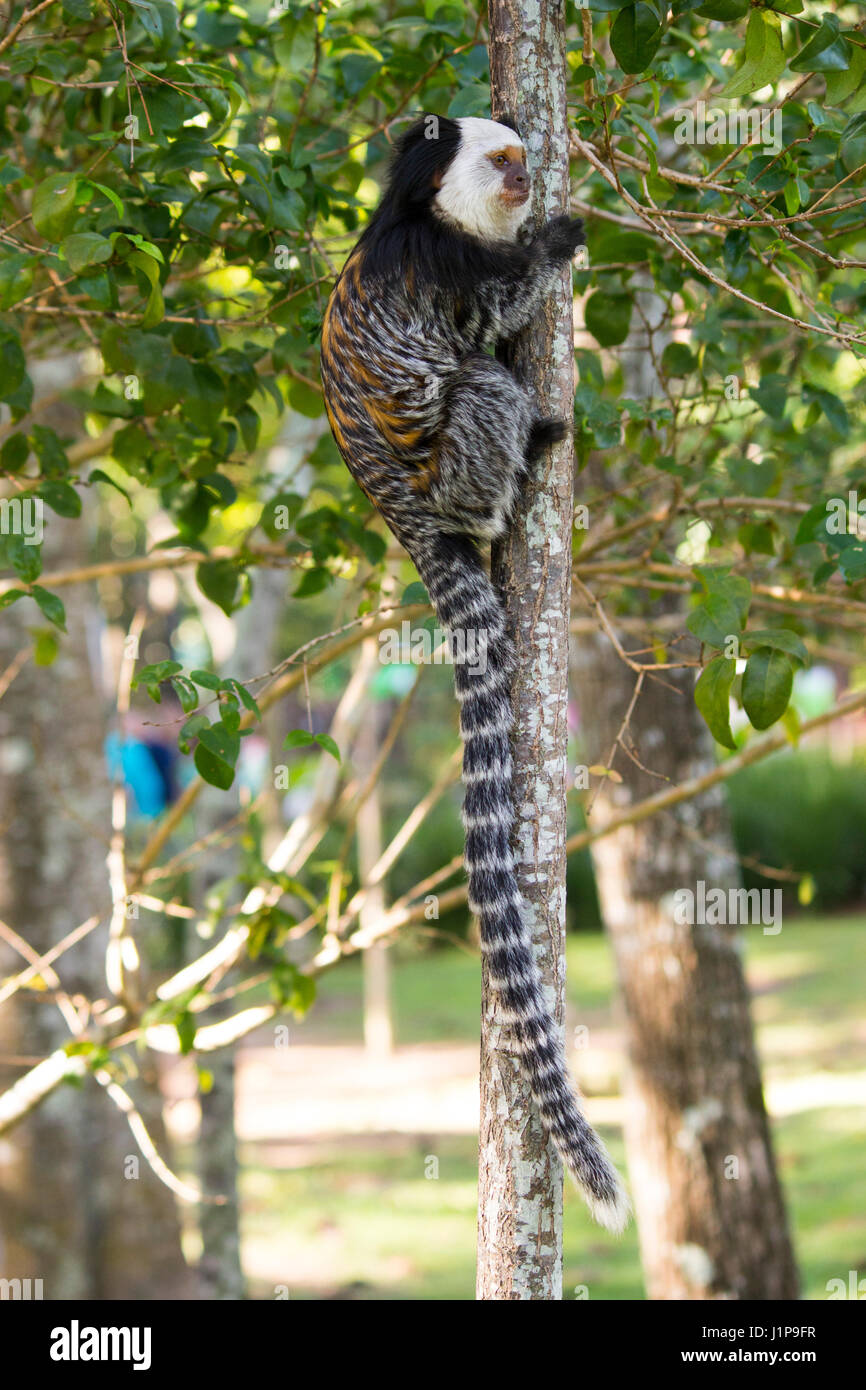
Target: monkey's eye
x,y
499,160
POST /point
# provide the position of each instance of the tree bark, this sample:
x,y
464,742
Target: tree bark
x,y
79,1207
376,960
220,1272
520,1175
709,1207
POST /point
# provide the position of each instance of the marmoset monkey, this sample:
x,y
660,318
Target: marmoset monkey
x,y
440,435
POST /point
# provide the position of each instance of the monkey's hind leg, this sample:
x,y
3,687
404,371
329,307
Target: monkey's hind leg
x,y
487,429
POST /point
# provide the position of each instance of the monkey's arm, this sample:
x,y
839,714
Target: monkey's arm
x,y
518,295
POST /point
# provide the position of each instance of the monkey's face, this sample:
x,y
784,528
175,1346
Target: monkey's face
x,y
485,188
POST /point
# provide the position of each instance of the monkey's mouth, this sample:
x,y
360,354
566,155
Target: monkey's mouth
x,y
515,197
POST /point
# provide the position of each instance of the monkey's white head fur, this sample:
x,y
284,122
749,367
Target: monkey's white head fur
x,y
485,189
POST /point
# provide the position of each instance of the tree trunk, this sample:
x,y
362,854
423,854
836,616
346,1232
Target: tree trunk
x,y
220,1272
79,1208
520,1175
709,1207
376,960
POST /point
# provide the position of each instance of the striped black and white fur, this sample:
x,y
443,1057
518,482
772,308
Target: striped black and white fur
x,y
440,436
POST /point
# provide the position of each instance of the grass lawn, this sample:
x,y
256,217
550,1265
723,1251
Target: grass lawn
x,y
361,1219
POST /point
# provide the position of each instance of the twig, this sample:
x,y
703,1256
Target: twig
x,y
26,18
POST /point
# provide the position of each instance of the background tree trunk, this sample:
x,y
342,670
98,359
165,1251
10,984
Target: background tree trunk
x,y
709,1207
220,1272
520,1175
79,1207
376,960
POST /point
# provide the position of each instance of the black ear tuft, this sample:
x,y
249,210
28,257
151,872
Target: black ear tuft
x,y
421,156
508,120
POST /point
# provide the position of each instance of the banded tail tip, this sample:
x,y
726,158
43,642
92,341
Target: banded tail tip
x,y
591,1167
613,1211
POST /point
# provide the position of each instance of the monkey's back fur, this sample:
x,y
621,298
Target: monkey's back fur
x,y
440,436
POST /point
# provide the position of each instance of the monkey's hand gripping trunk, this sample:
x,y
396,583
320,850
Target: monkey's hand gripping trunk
x,y
468,606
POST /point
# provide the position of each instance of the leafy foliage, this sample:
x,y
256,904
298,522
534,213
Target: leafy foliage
x,y
180,183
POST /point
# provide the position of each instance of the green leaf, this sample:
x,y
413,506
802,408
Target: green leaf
x,y
49,451
290,989
852,146
414,593
305,400
218,581
186,693
831,406
61,498
635,37
719,581
771,394
231,716
10,596
279,514
852,563
50,605
678,360
16,277
608,317
159,671
247,700
712,697
53,205
216,754
109,194
191,729
791,195
149,15
767,683
813,524
13,455
151,676
186,1030
25,558
302,738
98,475
373,545
757,538
13,367
154,310
250,424
764,60
840,85
826,50
85,248
781,639
723,10
146,246
45,647
735,247
298,738
325,741
715,620
206,679
312,581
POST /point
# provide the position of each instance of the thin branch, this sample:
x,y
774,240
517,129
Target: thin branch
x,y
27,17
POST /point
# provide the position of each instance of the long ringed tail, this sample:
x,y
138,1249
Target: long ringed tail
x,y
468,606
